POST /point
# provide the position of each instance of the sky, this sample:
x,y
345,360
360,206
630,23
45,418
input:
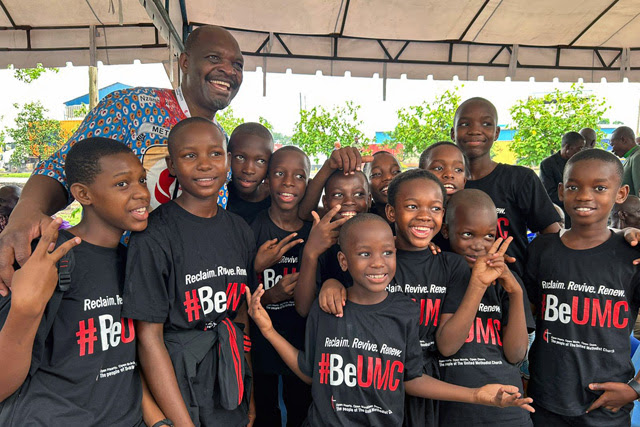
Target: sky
x,y
286,93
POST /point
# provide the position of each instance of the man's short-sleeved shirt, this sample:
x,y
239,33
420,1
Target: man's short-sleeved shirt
x,y
141,118
359,362
521,202
587,302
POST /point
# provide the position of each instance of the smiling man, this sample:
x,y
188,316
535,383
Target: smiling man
x,y
212,67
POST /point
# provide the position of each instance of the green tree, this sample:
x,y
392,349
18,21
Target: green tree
x,y
422,125
318,129
34,135
27,75
227,119
541,121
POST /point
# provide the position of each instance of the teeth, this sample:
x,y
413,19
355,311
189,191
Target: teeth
x,y
449,186
583,209
140,210
384,189
349,214
286,194
204,179
422,228
220,82
376,276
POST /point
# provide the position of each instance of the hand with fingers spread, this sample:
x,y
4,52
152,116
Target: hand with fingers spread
x,y
332,297
324,232
283,290
257,312
502,396
615,396
488,268
35,282
347,159
272,251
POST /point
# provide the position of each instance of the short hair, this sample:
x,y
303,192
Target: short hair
x,y
17,190
424,156
250,128
82,163
178,128
411,175
625,132
360,218
594,154
338,173
572,138
476,99
469,198
367,166
290,148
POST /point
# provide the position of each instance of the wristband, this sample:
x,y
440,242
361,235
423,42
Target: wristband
x,y
167,422
635,386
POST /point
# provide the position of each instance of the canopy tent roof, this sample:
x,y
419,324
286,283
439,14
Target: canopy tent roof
x,y
520,39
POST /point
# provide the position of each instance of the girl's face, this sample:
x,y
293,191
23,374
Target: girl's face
x,y
384,168
447,163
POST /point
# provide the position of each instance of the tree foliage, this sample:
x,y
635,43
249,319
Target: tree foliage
x,y
34,135
27,75
541,121
227,119
422,125
318,129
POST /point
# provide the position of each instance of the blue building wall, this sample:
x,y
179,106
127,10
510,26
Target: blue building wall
x,y
101,94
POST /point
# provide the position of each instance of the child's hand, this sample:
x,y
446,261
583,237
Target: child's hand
x,y
324,232
271,251
347,159
491,266
257,312
34,283
509,282
283,290
615,396
502,396
333,297
435,249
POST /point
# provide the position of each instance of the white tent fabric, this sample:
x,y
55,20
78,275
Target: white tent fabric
x,y
496,39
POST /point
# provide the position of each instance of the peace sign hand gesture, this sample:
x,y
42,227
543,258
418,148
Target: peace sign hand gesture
x,y
488,268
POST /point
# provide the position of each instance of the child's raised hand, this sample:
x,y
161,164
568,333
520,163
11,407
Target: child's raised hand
x,y
283,290
509,282
502,396
324,233
34,283
347,159
271,251
615,396
489,267
256,311
333,297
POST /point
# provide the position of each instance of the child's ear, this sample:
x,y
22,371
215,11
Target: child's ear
x,y
623,192
170,166
497,133
561,192
453,133
324,202
391,212
342,260
81,193
445,231
369,200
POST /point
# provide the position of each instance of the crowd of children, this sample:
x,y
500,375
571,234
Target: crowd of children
x,y
343,314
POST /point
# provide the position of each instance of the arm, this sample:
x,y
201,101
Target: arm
x,y
287,352
158,370
551,228
151,413
514,334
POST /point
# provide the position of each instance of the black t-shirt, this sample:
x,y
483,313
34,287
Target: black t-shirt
x,y
284,316
587,302
359,362
521,202
427,279
247,210
480,361
186,271
87,372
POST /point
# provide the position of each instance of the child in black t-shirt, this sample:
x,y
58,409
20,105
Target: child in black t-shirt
x,y
78,368
360,365
380,171
186,274
250,147
276,265
587,293
520,198
498,337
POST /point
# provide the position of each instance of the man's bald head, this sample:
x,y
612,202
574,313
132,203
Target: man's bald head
x,y
589,136
622,140
626,214
213,31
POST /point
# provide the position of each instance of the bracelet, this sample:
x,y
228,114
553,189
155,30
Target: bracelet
x,y
167,421
635,386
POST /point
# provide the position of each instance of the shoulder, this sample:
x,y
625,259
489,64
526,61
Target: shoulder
x,y
261,220
160,219
236,224
452,261
520,172
544,241
403,305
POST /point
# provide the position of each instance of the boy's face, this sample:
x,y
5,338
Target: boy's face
x,y
119,194
384,168
472,232
200,161
371,257
590,190
287,179
249,162
475,128
446,162
349,191
417,213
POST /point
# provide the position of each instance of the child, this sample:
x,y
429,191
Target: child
x,y
82,369
447,162
520,198
587,292
250,146
186,274
344,196
360,365
382,169
9,195
498,337
287,180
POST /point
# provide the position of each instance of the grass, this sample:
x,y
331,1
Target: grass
x,y
15,175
